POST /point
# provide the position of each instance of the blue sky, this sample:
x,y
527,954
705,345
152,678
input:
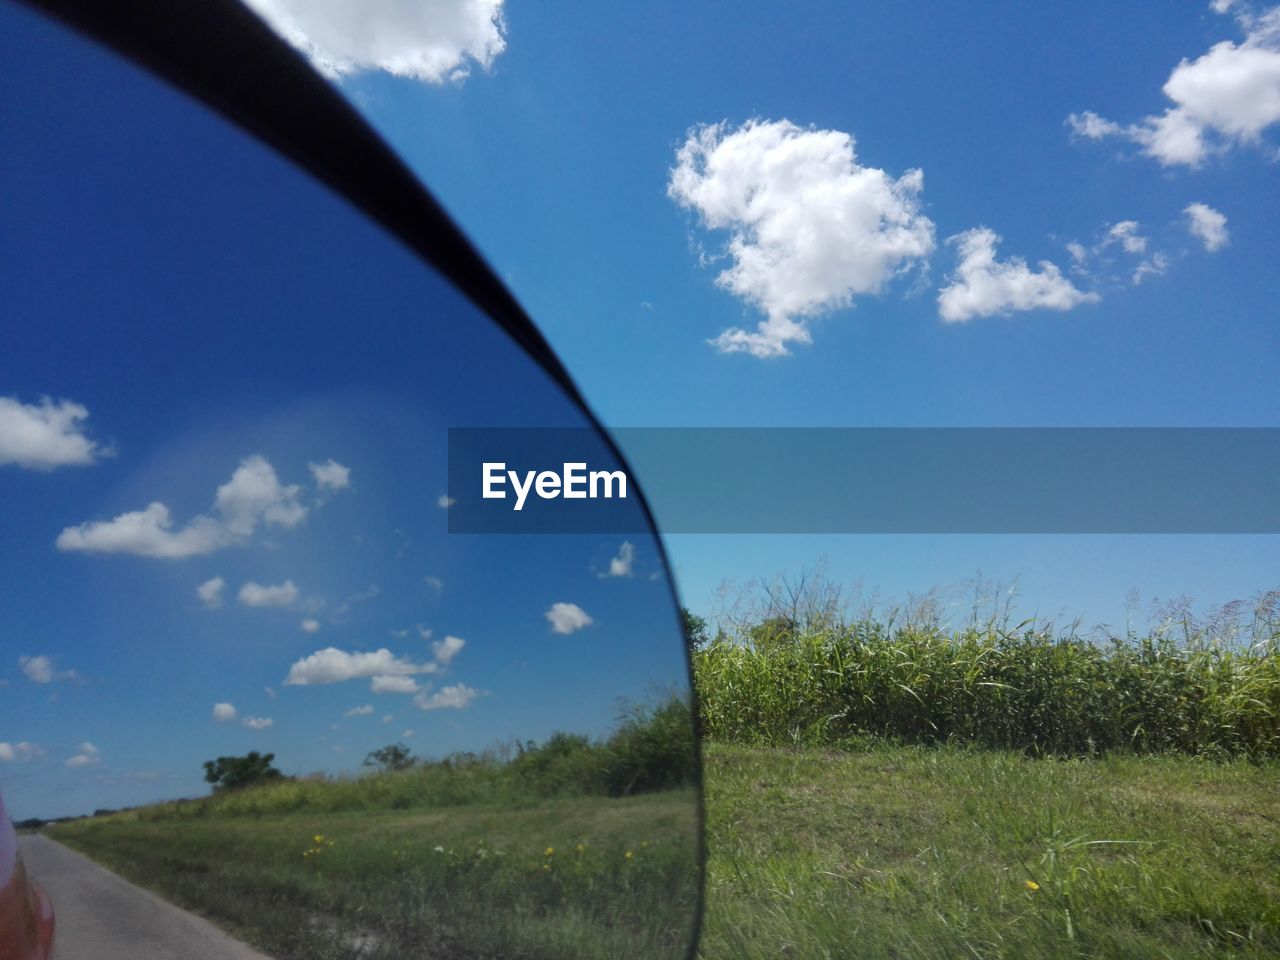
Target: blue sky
x,y
223,473
648,179
1134,149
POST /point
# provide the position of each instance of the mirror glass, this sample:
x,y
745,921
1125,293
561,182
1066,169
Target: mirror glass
x,y
243,663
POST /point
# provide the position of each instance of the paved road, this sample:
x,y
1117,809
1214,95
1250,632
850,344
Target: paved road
x,y
101,917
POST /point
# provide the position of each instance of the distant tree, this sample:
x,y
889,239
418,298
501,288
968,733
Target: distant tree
x,y
695,629
394,756
232,773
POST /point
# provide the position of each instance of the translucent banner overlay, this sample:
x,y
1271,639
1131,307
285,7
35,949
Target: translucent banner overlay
x,y
871,480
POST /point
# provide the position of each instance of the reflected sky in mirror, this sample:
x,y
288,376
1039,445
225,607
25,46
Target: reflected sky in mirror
x,y
223,405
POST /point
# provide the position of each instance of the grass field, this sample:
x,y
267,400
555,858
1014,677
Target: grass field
x,y
553,879
944,852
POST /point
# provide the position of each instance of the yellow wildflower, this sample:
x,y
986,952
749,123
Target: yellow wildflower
x,y
1032,885
629,854
549,851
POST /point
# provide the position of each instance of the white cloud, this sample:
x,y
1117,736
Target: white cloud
x,y
455,698
40,669
1089,125
444,501
387,718
1126,234
1225,98
270,692
448,648
982,285
1154,266
257,723
359,711
260,595
145,533
393,684
809,227
45,435
224,712
567,617
1208,224
253,496
424,633
620,566
332,665
435,583
407,735
429,40
399,633
19,752
88,754
330,476
310,625
210,592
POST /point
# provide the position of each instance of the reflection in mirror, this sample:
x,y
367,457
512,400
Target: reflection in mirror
x,y
241,652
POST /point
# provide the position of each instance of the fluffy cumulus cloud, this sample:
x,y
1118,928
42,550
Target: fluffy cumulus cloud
x,y
456,697
448,648
1209,225
430,40
145,533
809,227
257,723
40,669
19,752
254,494
45,435
310,625
252,497
330,476
268,595
444,501
982,285
332,665
224,712
87,754
1226,97
393,684
620,566
210,592
567,617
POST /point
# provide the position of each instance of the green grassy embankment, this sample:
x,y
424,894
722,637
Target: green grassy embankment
x,y
947,852
924,792
573,850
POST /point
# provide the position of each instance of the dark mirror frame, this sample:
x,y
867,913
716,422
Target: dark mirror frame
x,y
220,53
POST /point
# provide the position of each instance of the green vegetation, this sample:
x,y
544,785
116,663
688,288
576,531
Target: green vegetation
x,y
234,773
571,877
942,852
911,788
569,849
394,756
1185,687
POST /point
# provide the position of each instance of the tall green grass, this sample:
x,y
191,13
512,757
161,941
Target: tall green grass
x,y
1191,687
651,748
